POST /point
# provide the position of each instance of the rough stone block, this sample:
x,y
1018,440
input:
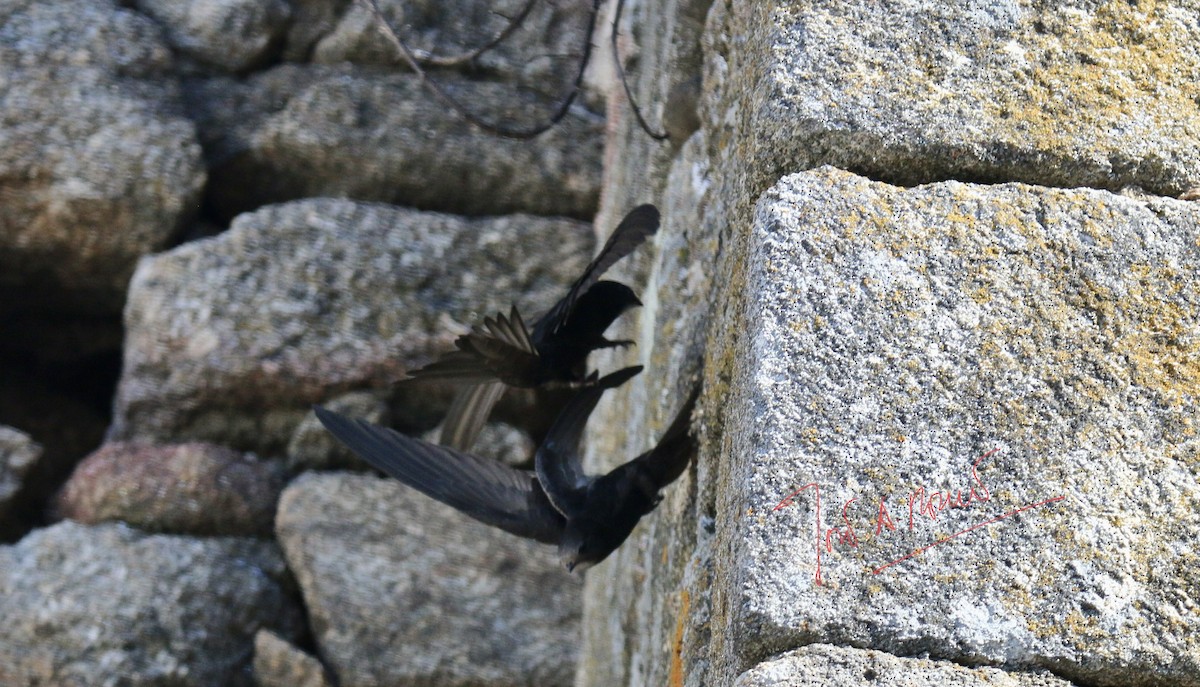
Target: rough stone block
x,y
278,663
108,605
818,665
231,339
97,164
18,454
194,488
1099,94
544,50
401,589
960,422
233,35
300,131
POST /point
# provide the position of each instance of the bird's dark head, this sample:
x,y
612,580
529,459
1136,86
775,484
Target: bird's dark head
x,y
583,546
596,309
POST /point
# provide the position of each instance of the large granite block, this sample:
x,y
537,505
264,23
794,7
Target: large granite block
x,y
231,339
961,423
108,605
401,589
1081,93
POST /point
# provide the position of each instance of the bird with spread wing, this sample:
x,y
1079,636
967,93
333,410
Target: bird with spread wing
x,y
586,516
503,352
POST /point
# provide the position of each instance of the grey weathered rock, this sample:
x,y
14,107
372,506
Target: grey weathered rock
x,y
497,441
661,42
99,167
890,339
194,488
233,35
503,442
818,665
1061,94
545,50
231,339
311,20
401,589
278,663
18,454
108,605
82,33
299,131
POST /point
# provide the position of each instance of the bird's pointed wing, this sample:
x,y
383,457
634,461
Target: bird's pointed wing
x,y
468,413
638,225
500,348
666,461
558,463
463,366
487,490
510,330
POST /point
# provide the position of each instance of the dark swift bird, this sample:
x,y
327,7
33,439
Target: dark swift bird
x,y
586,516
502,352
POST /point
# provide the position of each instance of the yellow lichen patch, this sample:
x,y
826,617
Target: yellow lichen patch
x,y
1123,63
1155,333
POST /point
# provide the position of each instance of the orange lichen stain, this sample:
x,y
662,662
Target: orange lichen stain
x,y
675,677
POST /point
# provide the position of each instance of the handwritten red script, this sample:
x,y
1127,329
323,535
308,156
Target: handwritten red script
x,y
921,504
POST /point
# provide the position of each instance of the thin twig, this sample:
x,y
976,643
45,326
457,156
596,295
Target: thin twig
x,y
449,101
431,60
637,112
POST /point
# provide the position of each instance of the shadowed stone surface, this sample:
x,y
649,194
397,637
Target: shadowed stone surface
x,y
401,589
108,605
232,35
311,21
66,428
543,51
821,664
232,339
892,337
194,488
97,166
498,441
297,131
1063,94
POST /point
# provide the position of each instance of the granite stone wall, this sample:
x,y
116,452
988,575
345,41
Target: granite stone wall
x,y
931,263
212,216
935,266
